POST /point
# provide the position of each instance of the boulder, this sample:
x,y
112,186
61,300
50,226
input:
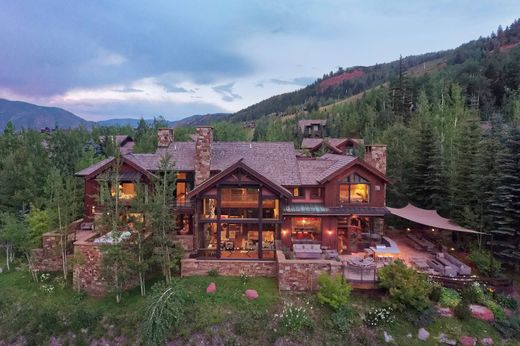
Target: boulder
x,y
388,338
251,294
467,340
423,334
444,339
481,312
487,341
444,312
212,288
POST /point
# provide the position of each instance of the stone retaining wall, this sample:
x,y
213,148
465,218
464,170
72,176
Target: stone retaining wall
x,y
192,267
48,257
87,274
302,275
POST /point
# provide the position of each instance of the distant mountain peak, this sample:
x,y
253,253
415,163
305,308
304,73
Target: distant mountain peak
x,y
24,115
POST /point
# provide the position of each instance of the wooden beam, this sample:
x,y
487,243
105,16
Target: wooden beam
x,y
260,222
219,225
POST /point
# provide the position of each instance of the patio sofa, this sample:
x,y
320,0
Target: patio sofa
x,y
444,269
462,269
307,251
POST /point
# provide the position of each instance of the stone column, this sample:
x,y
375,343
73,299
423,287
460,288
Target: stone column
x,y
203,144
375,155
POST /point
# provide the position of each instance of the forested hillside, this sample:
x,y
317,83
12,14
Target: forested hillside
x,y
347,82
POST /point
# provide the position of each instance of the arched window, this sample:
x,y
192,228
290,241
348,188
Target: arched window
x,y
354,189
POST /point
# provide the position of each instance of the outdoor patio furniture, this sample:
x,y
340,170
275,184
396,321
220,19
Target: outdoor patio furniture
x,y
330,254
462,269
421,242
307,251
419,263
446,270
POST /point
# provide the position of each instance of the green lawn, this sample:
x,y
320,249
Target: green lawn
x,y
225,317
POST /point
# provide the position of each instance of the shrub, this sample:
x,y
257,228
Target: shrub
x,y
461,311
497,310
213,272
486,264
294,318
334,291
509,327
344,318
505,301
473,294
379,316
166,307
81,318
435,294
449,298
423,318
407,288
244,278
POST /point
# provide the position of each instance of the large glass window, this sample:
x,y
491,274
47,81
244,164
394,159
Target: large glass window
x,y
183,224
270,208
354,189
183,185
306,228
209,208
126,190
239,203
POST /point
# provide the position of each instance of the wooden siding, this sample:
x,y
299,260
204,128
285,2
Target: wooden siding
x,y
376,198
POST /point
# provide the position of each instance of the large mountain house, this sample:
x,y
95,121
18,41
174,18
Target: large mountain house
x,y
234,200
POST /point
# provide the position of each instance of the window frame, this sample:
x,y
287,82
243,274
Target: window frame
x,y
349,181
301,192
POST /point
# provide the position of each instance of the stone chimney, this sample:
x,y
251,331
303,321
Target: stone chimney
x,y
164,137
375,155
203,142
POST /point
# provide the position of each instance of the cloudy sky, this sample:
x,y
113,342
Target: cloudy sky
x,y
114,59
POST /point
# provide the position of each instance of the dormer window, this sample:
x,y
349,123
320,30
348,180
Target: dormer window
x,y
354,189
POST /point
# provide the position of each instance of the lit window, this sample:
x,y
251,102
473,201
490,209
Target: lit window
x,y
298,192
354,189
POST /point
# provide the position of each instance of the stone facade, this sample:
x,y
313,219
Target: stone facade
x,y
87,274
375,155
203,154
186,241
192,267
164,137
48,258
302,275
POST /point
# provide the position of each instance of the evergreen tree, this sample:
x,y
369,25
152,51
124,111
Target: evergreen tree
x,y
402,94
426,190
505,206
466,145
484,173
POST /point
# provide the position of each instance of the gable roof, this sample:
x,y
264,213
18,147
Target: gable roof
x,y
278,161
311,168
118,139
309,122
315,143
103,164
344,161
240,164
